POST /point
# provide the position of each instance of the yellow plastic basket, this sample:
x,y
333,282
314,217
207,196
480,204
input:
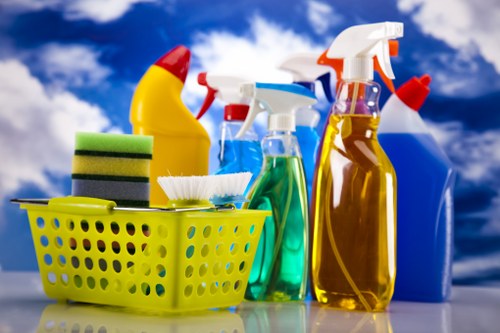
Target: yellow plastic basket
x,y
169,261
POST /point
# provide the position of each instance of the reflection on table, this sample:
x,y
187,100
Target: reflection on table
x,y
87,318
311,317
25,308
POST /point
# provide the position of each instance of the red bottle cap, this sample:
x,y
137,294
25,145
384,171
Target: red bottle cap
x,y
414,91
176,61
235,112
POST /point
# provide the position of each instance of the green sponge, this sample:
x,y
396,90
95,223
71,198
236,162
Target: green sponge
x,y
114,145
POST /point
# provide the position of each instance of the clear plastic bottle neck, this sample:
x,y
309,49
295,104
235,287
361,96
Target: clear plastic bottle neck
x,y
307,116
229,129
280,143
357,97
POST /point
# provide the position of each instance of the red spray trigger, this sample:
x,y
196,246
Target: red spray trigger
x,y
209,99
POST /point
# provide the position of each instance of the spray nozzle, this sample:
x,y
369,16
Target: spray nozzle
x,y
358,45
305,71
279,100
338,65
227,89
209,99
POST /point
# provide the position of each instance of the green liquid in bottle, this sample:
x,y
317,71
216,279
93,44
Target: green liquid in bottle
x,y
280,268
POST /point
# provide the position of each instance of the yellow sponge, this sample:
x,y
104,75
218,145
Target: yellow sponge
x,y
116,166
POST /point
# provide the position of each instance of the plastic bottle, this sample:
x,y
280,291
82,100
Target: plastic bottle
x,y
354,242
181,144
236,154
280,268
425,197
306,72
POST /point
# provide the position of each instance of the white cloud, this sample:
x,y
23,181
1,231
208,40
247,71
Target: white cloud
x,y
30,4
37,129
322,16
473,267
255,55
493,227
476,156
460,23
458,73
71,65
100,11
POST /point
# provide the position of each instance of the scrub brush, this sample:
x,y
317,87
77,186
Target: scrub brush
x,y
230,187
188,191
205,191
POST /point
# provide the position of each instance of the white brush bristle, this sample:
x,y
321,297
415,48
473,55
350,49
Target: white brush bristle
x,y
232,184
188,187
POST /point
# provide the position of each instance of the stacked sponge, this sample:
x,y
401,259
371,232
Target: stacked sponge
x,y
113,167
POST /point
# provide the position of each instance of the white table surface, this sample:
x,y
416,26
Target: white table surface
x,y
25,308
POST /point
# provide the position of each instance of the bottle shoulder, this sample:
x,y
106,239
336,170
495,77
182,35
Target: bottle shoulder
x,y
157,105
229,129
415,147
350,146
280,173
397,117
356,97
281,144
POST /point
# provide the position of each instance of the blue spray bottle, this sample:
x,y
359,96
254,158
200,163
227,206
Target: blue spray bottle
x,y
306,71
280,268
236,154
425,197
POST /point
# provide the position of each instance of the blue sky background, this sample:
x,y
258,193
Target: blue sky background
x,y
67,66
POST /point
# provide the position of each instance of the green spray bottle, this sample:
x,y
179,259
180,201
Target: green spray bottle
x,y
280,268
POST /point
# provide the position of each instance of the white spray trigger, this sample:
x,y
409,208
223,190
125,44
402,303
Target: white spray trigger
x,y
280,101
304,67
247,90
227,87
382,53
358,45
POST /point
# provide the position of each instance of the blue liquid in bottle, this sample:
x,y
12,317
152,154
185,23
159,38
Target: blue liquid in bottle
x,y
309,142
424,214
240,156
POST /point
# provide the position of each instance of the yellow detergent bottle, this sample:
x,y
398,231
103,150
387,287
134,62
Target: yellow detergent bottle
x,y
354,202
181,144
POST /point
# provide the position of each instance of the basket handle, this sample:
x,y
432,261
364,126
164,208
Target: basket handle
x,y
81,205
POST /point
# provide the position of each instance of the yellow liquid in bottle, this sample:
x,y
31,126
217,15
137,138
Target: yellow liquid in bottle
x,y
353,259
